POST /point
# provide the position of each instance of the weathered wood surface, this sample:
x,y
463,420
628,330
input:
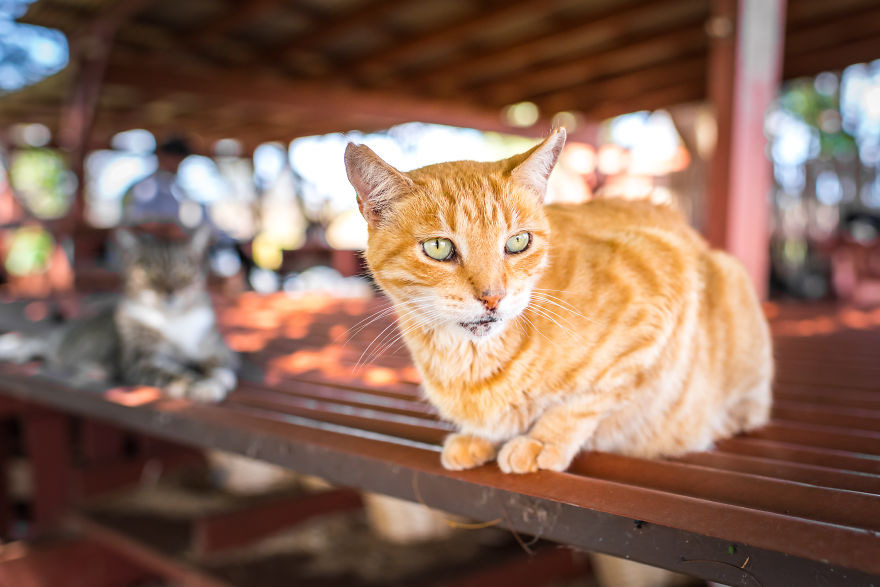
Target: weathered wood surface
x,y
796,502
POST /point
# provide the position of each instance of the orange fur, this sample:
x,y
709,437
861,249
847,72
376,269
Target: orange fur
x,y
617,329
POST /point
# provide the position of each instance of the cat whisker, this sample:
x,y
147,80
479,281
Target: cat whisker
x,y
385,338
536,329
360,326
563,305
545,313
384,347
377,338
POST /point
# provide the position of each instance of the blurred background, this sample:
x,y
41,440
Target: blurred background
x,y
89,90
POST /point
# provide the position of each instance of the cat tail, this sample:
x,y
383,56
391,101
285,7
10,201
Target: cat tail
x,y
21,348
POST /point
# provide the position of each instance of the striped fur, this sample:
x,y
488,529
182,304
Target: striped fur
x,y
619,329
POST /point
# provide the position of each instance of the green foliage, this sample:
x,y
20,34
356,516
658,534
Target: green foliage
x,y
822,112
41,180
29,251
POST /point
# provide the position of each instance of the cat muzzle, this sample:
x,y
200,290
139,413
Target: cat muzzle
x,y
480,327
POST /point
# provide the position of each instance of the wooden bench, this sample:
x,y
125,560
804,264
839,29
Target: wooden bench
x,y
795,503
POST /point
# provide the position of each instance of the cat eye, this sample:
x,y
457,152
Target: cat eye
x,y
439,249
518,243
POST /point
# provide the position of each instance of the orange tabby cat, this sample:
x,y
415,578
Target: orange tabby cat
x,y
543,330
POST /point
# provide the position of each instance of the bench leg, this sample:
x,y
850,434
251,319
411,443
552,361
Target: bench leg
x,y
5,502
102,443
47,445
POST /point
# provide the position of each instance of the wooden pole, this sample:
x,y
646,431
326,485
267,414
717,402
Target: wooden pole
x,y
90,53
744,75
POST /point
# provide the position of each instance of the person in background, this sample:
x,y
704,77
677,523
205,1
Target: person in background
x,y
159,197
159,205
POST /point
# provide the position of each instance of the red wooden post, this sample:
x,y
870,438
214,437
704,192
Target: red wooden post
x,y
91,54
47,442
744,75
102,443
5,502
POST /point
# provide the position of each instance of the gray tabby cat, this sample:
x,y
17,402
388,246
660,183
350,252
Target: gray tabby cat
x,y
162,331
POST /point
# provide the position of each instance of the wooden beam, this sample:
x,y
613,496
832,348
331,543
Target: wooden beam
x,y
91,481
655,48
129,548
832,58
235,529
799,11
548,566
683,93
333,27
828,33
746,61
69,563
523,53
92,52
322,99
627,88
240,14
456,32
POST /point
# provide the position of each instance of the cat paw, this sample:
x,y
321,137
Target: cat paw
x,y
179,388
10,345
224,376
199,390
463,451
16,348
208,390
524,454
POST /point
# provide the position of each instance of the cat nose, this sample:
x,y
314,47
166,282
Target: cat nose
x,y
491,298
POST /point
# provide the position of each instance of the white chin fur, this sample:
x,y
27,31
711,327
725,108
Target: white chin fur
x,y
480,332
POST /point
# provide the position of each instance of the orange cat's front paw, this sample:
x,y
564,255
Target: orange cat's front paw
x,y
525,454
463,451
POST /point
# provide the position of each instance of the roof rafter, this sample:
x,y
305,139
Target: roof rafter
x,y
241,13
320,98
528,52
593,95
334,27
654,48
498,12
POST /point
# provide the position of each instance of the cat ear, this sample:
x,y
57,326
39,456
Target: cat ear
x,y
128,241
200,240
535,169
377,183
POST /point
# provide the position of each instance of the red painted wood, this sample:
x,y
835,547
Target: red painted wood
x,y
744,76
101,443
239,528
48,447
75,563
807,484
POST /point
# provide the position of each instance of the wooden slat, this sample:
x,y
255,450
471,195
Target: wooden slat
x,y
849,508
811,455
792,471
808,480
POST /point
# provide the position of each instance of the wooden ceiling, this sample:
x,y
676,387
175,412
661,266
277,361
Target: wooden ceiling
x,y
276,69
